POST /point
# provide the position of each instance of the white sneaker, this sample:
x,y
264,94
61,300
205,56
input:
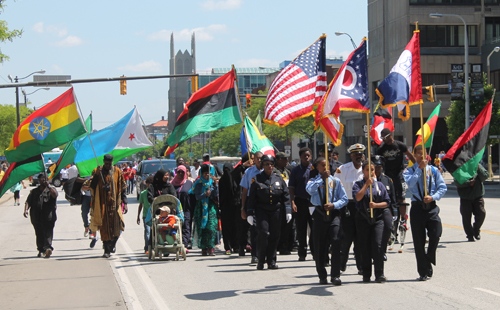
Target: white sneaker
x,y
86,233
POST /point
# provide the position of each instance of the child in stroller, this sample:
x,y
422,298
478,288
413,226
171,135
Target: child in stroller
x,y
166,218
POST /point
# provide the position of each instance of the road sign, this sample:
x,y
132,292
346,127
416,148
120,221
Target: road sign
x,y
191,154
53,78
287,152
288,147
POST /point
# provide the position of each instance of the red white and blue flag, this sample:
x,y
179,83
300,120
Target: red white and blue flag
x,y
403,86
382,118
348,91
298,87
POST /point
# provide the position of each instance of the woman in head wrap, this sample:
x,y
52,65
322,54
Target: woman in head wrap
x,y
182,186
229,202
205,212
160,186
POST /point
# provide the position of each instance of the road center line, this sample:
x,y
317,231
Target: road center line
x,y
146,280
482,231
487,291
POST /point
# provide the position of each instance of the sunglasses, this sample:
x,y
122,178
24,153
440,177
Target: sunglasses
x,y
268,164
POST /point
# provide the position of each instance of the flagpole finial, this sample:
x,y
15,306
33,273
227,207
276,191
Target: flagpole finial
x,y
365,39
416,26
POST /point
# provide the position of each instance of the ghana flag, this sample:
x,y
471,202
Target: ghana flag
x,y
19,171
212,107
48,127
464,156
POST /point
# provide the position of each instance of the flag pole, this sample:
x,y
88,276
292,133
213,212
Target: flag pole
x,y
241,113
327,188
369,159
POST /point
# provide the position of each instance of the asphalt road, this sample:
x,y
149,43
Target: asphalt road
x,y
466,275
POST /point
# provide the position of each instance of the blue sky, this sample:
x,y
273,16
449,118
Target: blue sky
x,y
94,39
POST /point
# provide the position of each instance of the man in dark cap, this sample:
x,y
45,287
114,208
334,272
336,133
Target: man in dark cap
x,y
394,153
108,189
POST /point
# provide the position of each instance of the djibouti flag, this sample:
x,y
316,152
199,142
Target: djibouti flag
x,y
464,156
123,138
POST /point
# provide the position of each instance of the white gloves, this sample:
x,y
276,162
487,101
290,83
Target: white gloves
x,y
250,220
288,218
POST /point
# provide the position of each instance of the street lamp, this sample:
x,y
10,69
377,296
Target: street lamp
x,y
25,94
352,41
16,80
496,49
466,44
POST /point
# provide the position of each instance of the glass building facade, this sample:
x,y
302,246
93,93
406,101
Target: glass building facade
x,y
248,78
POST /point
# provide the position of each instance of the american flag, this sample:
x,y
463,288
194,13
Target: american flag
x,y
298,86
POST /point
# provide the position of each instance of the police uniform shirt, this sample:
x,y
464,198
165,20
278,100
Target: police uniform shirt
x,y
268,193
285,174
246,181
315,188
348,175
414,179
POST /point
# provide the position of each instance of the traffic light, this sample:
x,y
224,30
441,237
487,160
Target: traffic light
x,y
194,83
123,86
430,93
249,100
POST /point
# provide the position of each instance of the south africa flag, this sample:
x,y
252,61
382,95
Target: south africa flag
x,y
464,156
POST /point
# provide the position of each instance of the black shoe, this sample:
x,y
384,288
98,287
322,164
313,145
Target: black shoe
x,y
48,252
477,236
272,266
260,266
302,258
105,255
471,239
285,252
423,278
241,252
336,281
93,242
254,260
430,273
366,279
380,279
40,254
113,250
323,281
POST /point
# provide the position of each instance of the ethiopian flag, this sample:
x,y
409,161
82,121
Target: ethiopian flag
x,y
212,107
48,127
464,156
429,127
19,171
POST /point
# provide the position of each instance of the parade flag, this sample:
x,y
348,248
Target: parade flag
x,y
212,107
256,140
68,154
18,171
258,121
464,156
48,127
382,118
429,127
123,138
170,150
403,86
298,87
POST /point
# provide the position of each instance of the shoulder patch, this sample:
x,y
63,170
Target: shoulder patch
x,y
338,171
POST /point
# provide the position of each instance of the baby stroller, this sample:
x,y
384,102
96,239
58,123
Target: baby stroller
x,y
159,247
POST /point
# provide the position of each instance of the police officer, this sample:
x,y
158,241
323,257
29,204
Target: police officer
x,y
348,174
284,246
424,213
268,195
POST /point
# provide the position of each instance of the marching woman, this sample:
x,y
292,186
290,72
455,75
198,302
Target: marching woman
x,y
268,198
326,226
205,212
373,233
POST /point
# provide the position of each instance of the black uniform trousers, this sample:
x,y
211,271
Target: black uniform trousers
x,y
229,216
469,207
372,240
421,221
326,233
349,236
268,228
303,218
187,225
44,231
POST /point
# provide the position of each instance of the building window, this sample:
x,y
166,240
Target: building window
x,y
446,35
454,2
492,27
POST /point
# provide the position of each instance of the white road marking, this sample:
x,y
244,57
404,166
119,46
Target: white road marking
x,y
487,291
136,304
146,280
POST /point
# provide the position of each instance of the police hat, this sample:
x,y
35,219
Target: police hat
x,y
267,158
280,155
378,160
356,148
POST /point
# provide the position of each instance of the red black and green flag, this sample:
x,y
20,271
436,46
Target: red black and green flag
x,y
212,107
19,171
464,156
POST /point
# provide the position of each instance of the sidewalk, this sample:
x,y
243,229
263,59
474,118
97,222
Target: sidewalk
x,y
74,277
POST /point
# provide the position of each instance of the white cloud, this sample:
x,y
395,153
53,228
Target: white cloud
x,y
70,41
38,27
202,33
147,66
255,63
52,29
57,69
211,5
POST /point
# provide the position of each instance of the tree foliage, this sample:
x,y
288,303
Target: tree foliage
x,y
8,123
6,34
456,119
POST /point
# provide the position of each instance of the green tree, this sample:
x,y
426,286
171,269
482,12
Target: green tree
x,y
6,34
456,119
8,123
